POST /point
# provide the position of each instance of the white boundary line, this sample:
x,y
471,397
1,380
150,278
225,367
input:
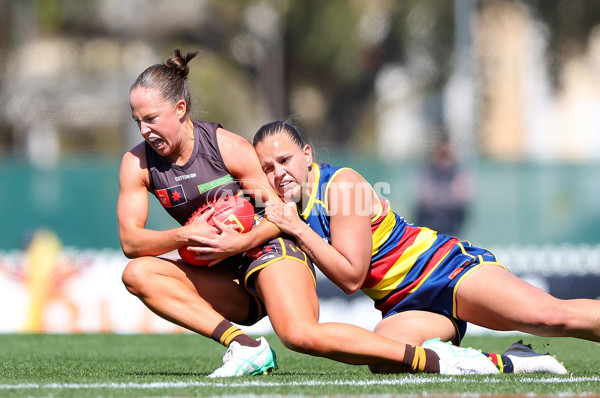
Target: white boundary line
x,y
186,384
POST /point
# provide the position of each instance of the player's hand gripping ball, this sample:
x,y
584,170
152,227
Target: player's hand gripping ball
x,y
230,210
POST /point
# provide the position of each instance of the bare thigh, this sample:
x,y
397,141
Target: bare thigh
x,y
288,291
415,327
157,280
494,298
221,288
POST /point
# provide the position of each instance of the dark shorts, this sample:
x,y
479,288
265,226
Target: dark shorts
x,y
438,292
247,265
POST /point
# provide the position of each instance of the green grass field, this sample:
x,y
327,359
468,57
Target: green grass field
x,y
107,365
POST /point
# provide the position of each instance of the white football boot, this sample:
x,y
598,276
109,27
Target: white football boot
x,y
460,360
241,360
525,360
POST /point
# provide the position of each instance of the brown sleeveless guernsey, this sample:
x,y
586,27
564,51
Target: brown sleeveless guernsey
x,y
183,189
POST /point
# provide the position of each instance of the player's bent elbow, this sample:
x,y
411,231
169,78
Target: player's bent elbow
x,y
127,241
350,287
129,250
130,254
352,290
351,281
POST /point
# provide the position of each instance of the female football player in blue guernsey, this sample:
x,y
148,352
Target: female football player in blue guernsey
x,y
185,163
425,284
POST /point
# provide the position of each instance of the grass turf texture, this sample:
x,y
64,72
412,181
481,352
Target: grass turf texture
x,y
97,365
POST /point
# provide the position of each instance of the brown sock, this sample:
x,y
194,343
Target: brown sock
x,y
420,359
226,332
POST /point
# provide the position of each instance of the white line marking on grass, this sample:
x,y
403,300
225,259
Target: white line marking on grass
x,y
258,383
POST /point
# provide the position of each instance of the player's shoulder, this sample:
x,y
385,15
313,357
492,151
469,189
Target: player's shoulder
x,y
134,163
346,174
231,137
234,147
137,151
135,157
344,181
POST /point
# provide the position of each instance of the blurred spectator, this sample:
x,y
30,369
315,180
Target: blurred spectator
x,y
444,191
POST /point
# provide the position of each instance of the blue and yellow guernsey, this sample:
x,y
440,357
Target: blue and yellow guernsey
x,y
403,255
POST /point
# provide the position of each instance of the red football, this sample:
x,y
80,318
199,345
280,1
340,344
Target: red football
x,y
230,210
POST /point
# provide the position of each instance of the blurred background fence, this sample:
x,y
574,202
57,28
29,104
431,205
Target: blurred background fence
x,y
512,86
512,203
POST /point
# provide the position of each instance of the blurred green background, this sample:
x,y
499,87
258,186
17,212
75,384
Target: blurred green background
x,y
514,204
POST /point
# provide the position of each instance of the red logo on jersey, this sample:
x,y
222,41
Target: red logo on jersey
x,y
257,253
172,196
455,273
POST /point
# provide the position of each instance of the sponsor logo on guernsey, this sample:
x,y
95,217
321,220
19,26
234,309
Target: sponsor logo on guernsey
x,y
172,196
207,186
185,177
